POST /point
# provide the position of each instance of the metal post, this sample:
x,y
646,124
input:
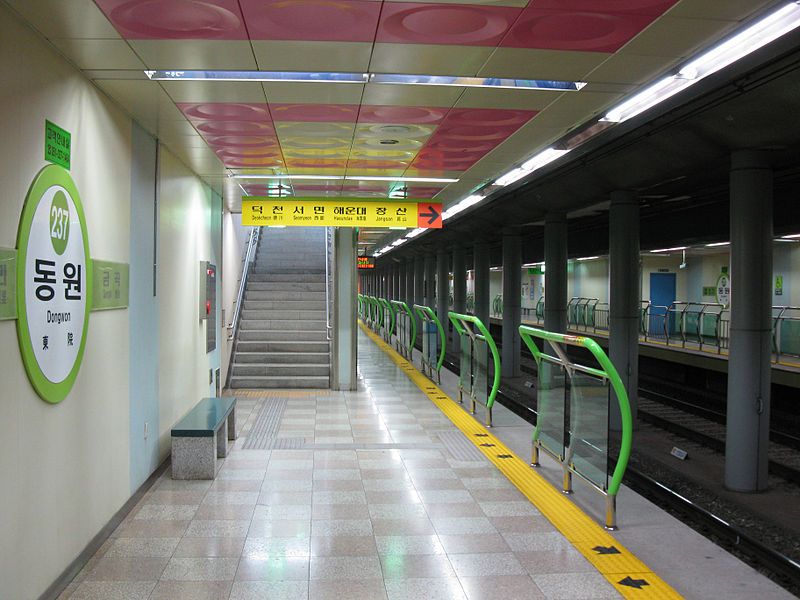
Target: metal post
x,y
482,274
419,290
624,304
442,286
409,297
430,280
512,304
344,345
459,289
555,274
747,436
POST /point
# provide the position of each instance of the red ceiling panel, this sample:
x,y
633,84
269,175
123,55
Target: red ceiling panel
x,y
241,141
317,113
224,111
462,24
307,163
376,164
636,7
176,19
489,117
575,31
322,20
416,115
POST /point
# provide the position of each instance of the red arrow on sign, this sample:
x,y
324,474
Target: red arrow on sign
x,y
429,215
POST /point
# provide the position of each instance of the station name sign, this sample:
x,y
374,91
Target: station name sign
x,y
340,212
366,262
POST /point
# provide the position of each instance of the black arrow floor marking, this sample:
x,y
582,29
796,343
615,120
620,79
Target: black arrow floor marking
x,y
606,550
505,456
481,435
432,216
634,583
487,445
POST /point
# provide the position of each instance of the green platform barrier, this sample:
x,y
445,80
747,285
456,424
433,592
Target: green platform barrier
x,y
432,351
579,442
406,326
388,319
476,341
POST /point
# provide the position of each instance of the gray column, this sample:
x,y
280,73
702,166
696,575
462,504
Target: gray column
x,y
409,299
345,305
624,301
482,274
459,288
512,305
442,286
430,281
555,274
747,436
401,281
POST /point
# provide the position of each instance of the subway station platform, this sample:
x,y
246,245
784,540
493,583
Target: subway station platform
x,y
384,493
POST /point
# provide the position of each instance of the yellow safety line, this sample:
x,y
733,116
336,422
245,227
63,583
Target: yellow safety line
x,y
629,576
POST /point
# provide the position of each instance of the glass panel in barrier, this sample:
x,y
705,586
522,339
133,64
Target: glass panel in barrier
x,y
481,380
588,425
551,395
790,337
403,332
691,321
431,335
709,328
465,377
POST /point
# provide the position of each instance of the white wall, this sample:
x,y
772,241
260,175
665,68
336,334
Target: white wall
x,y
64,468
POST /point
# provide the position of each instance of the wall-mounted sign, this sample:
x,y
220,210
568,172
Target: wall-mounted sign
x,y
779,285
366,262
54,283
8,284
709,291
340,212
110,285
723,289
57,145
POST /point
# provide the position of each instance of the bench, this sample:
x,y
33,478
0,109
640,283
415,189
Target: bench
x,y
201,437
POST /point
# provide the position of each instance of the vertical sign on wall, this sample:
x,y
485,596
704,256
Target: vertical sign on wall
x,y
724,288
8,284
57,145
54,283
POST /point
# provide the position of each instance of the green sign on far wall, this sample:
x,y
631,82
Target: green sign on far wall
x,y
8,284
57,145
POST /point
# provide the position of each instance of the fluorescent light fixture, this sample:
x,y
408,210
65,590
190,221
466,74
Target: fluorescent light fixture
x,y
399,228
537,161
277,76
414,233
716,244
792,236
461,206
588,258
385,249
538,264
399,242
750,39
496,269
408,179
277,226
307,177
675,249
480,82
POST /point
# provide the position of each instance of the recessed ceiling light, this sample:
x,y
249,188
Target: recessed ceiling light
x,y
675,249
716,244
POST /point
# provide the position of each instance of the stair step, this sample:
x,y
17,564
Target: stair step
x,y
318,305
281,314
283,346
282,324
304,277
283,295
259,383
275,358
281,370
282,335
284,286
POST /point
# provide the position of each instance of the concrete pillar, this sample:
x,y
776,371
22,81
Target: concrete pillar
x,y
624,301
512,304
459,289
409,298
482,274
419,290
344,344
747,436
401,282
442,286
430,281
555,274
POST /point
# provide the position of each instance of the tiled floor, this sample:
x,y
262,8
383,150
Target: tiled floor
x,y
373,506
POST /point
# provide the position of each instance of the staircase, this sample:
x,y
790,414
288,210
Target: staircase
x,y
282,337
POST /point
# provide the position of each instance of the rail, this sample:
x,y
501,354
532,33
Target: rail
x,y
431,359
406,329
474,363
574,430
249,257
330,263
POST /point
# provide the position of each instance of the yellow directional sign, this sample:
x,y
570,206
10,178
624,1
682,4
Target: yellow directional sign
x,y
340,212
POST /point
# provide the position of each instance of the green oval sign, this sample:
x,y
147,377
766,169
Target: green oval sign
x,y
54,283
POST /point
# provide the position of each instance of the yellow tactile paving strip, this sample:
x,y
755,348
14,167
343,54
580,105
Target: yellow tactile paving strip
x,y
629,576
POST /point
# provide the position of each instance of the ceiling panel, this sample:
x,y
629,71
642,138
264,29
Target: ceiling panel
x,y
79,19
729,10
214,91
510,99
541,64
634,7
627,68
406,95
196,54
427,59
306,55
145,100
678,37
99,54
324,93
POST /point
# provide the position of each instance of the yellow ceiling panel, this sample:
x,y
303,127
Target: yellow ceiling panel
x,y
381,131
382,172
334,173
287,129
99,54
371,154
315,144
368,144
433,173
677,37
508,99
426,59
729,10
66,18
313,93
311,153
410,95
523,63
196,54
288,55
215,91
629,68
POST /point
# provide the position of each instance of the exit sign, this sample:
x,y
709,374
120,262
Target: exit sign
x,y
366,262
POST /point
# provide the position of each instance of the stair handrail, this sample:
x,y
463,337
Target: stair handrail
x,y
249,257
328,281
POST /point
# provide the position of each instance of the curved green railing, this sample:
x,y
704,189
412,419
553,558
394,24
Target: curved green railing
x,y
426,313
388,305
360,306
402,305
606,371
377,313
461,324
